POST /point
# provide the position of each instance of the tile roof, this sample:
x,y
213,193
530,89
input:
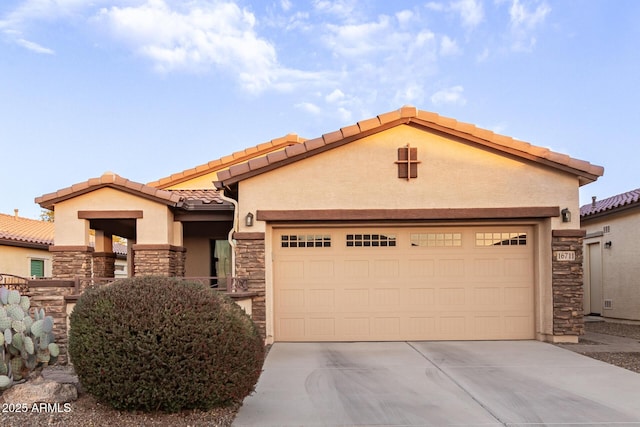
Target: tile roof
x,y
109,179
585,171
24,230
611,204
227,161
35,233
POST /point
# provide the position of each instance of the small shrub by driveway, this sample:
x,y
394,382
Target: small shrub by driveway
x,y
156,343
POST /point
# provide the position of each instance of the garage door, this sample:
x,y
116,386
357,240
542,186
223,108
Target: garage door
x,y
387,284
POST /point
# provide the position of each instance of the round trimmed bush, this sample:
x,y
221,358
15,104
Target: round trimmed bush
x,y
156,343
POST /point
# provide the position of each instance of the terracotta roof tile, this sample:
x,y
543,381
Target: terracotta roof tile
x,y
332,137
584,170
368,124
26,230
276,156
108,179
350,130
312,144
258,163
611,204
207,196
228,161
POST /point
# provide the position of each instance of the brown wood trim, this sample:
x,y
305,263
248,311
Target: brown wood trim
x,y
22,244
51,283
72,298
159,247
133,214
407,214
248,236
60,248
104,255
568,233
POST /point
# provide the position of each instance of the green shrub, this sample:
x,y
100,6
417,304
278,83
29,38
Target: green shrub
x,y
156,343
26,342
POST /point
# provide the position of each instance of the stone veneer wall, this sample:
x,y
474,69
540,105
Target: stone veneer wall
x,y
158,260
72,261
50,295
104,264
250,253
568,292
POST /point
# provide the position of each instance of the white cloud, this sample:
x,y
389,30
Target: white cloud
x,y
34,47
309,108
450,96
523,23
342,9
471,12
411,94
435,6
199,36
285,5
449,47
334,96
404,16
360,39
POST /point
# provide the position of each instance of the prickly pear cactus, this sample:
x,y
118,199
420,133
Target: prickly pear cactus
x,y
26,341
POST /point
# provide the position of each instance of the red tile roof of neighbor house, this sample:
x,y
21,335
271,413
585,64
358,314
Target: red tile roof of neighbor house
x,y
227,161
611,204
34,233
585,171
24,230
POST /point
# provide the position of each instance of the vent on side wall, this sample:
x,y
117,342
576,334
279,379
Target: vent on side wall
x,y
606,229
608,304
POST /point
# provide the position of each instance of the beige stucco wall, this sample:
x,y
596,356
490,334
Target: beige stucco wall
x,y
17,261
363,175
156,227
620,266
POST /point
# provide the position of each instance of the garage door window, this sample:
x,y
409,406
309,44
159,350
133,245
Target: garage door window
x,y
305,241
436,240
360,240
501,239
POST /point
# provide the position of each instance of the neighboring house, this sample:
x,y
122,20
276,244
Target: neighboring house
x,y
405,226
24,248
611,254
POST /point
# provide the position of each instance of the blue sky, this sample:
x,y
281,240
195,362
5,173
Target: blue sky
x,y
147,88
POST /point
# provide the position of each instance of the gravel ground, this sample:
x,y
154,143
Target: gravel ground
x,y
87,412
630,361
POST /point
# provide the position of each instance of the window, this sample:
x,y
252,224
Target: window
x,y
436,239
501,239
359,240
305,241
37,268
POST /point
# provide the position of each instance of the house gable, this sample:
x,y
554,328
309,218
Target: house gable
x,y
462,132
363,175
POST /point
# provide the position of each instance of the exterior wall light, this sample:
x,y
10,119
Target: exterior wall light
x,y
566,215
248,220
607,245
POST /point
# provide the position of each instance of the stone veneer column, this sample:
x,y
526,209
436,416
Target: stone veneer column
x,y
158,260
250,253
568,318
104,264
50,295
70,262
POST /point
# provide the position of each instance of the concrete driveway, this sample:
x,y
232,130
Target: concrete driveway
x,y
514,383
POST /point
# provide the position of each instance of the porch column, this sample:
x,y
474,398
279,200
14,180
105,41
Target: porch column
x,y
104,260
568,319
158,260
250,265
70,262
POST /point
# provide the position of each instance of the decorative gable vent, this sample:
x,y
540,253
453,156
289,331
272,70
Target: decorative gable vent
x,y
608,304
407,162
606,229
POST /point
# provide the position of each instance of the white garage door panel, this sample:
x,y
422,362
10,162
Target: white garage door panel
x,y
454,284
